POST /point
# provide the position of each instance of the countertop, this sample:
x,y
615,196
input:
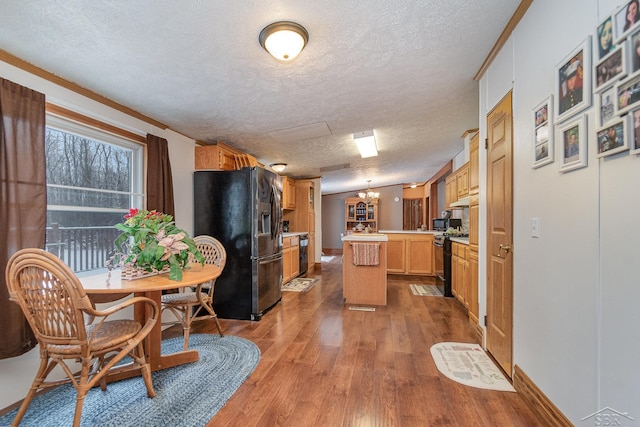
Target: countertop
x,y
409,232
300,233
365,237
463,240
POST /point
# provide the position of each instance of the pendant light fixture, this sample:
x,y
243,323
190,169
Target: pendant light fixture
x,y
284,40
369,195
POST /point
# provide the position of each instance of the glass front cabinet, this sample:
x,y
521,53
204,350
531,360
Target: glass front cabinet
x,y
360,216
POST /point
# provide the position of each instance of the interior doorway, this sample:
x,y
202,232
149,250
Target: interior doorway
x,y
412,213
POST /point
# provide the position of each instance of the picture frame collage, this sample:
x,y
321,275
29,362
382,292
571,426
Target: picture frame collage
x,y
613,81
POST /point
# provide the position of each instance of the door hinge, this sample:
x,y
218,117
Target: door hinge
x,y
486,143
485,320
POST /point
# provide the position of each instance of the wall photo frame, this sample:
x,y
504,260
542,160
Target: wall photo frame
x,y
573,82
573,134
613,138
628,93
606,106
611,68
543,133
633,52
605,38
626,19
634,141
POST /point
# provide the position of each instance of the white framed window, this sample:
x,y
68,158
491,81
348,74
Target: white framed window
x,y
93,179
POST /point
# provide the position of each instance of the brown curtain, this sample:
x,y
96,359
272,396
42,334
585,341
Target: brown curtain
x,y
23,193
159,181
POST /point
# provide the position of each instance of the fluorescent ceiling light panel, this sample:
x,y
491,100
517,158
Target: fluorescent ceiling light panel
x,y
366,143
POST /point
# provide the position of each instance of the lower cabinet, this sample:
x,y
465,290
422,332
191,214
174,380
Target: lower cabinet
x,y
290,258
410,253
464,277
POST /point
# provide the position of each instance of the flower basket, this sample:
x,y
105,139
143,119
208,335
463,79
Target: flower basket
x,y
132,272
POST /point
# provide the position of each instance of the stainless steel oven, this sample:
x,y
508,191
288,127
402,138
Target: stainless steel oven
x,y
442,267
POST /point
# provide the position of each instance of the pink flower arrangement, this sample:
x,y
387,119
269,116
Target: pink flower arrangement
x,y
150,240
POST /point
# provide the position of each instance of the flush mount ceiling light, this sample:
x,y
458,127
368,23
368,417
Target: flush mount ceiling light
x,y
369,195
278,167
366,143
284,40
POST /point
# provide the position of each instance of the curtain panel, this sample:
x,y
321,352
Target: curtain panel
x,y
23,194
159,180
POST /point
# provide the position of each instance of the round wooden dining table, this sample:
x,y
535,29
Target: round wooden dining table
x,y
109,286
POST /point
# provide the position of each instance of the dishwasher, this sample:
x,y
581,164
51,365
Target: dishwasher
x,y
304,253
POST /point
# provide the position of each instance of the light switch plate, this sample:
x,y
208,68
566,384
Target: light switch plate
x,y
535,227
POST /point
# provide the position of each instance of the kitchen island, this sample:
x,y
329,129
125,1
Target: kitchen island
x,y
364,269
410,252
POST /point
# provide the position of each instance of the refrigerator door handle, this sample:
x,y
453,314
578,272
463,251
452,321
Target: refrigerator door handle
x,y
271,259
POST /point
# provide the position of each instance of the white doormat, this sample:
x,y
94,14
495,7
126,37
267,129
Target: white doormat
x,y
425,290
468,364
299,284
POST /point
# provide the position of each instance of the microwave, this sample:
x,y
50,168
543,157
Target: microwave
x,y
442,224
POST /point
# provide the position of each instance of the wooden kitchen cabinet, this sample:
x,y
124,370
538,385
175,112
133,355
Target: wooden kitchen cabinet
x,y
290,258
288,193
304,216
410,253
462,181
357,211
474,164
451,190
459,285
219,157
472,290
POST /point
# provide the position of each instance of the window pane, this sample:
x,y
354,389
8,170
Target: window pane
x,y
91,184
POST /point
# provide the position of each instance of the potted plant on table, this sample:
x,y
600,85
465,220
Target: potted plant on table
x,y
151,243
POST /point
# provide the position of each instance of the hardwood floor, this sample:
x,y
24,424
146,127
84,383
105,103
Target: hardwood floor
x,y
325,365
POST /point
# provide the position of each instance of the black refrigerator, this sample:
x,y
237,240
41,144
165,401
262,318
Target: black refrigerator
x,y
242,210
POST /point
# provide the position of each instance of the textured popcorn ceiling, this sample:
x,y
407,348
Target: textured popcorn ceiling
x,y
403,68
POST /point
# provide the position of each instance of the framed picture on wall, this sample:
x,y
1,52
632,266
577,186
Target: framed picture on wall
x,y
628,93
573,134
633,52
611,68
634,141
573,82
626,19
606,106
605,41
613,139
543,133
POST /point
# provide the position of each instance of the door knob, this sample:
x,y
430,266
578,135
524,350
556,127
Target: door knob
x,y
505,248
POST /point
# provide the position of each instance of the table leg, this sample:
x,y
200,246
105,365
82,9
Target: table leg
x,y
153,342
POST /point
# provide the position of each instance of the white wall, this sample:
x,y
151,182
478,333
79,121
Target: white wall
x,y
16,374
576,287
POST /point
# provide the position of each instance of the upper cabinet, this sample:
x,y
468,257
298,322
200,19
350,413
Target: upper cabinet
x,y
222,157
474,163
288,193
457,187
462,181
357,211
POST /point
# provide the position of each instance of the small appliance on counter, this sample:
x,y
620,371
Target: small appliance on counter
x,y
443,224
285,226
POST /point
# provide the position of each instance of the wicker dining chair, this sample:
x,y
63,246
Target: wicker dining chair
x,y
69,328
187,305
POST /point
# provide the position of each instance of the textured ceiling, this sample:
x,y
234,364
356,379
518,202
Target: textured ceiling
x,y
402,68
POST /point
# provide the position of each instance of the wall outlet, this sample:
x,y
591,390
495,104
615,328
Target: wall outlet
x,y
535,227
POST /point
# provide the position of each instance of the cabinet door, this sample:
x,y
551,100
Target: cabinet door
x,y
462,181
295,261
311,251
288,193
419,256
474,164
451,190
396,255
286,265
474,211
472,280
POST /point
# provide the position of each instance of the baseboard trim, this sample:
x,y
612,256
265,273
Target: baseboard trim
x,y
539,402
328,251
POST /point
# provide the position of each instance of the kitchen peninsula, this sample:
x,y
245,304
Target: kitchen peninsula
x,y
410,252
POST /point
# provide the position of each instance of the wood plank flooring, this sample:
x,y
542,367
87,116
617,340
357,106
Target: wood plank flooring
x,y
325,365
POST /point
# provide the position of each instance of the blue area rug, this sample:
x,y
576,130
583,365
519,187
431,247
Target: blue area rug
x,y
186,395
